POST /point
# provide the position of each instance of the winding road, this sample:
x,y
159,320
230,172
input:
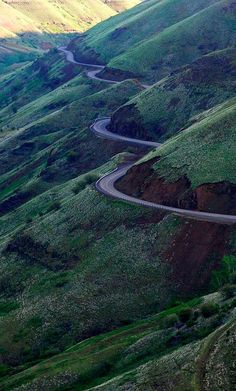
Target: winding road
x,y
106,184
96,69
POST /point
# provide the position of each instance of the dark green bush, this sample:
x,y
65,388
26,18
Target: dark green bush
x,y
185,314
73,156
209,309
170,321
87,179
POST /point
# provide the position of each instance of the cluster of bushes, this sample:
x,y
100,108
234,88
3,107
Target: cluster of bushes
x,y
86,180
188,315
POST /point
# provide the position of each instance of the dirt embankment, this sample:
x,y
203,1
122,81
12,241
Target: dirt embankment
x,y
198,247
143,182
194,253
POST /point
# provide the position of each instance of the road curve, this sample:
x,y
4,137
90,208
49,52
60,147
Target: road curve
x,y
99,128
106,184
96,69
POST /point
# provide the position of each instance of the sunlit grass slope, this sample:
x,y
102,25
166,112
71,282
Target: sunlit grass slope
x,y
150,39
205,152
52,16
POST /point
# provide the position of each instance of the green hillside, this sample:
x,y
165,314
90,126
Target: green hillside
x,y
97,293
146,354
207,30
29,25
194,169
176,101
204,152
147,40
52,16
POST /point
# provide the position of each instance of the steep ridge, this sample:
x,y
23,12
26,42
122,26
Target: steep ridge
x,y
194,169
176,101
152,50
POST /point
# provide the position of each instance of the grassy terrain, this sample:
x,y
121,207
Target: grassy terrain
x,y
164,52
204,152
29,27
174,102
55,253
119,34
164,350
33,80
152,50
51,16
55,128
96,292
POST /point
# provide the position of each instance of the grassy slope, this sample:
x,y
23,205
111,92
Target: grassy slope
x,y
163,53
152,49
204,152
53,16
114,359
25,26
114,36
55,118
83,268
63,148
32,81
172,103
66,273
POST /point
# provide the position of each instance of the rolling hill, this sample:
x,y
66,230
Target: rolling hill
x,y
177,100
97,293
29,25
52,16
149,38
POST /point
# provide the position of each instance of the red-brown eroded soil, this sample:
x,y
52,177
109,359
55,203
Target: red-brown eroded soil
x,y
194,253
143,182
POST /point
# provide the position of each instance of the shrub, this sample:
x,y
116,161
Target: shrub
x,y
4,370
80,185
226,274
87,179
209,309
170,321
185,314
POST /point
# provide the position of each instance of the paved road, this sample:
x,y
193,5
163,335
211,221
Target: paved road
x,y
96,69
106,184
100,129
